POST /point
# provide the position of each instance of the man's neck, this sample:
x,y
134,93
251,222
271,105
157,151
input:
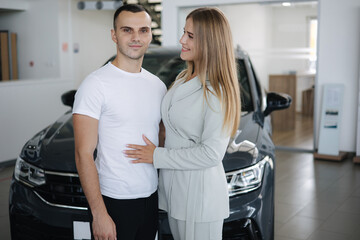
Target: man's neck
x,y
128,65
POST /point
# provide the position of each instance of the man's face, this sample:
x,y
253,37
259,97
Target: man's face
x,y
132,34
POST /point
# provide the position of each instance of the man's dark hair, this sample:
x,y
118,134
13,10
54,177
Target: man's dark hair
x,y
134,8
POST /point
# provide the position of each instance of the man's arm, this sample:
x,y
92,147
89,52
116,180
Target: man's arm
x,y
86,137
161,134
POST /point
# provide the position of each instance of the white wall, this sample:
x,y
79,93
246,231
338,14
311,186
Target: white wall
x,y
289,39
46,26
170,15
65,38
14,5
254,37
37,38
339,60
91,32
26,108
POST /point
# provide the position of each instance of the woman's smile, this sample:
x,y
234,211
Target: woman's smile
x,y
185,49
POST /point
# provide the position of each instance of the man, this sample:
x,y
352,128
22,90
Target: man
x,y
115,105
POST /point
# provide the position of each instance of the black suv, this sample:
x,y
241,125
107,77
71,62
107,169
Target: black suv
x,y
46,199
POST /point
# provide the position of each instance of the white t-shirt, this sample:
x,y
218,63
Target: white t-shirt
x,y
127,105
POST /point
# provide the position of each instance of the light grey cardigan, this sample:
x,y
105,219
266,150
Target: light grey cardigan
x,y
192,182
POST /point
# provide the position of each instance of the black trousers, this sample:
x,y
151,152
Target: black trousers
x,y
135,219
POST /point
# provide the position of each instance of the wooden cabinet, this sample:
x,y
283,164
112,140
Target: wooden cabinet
x,y
8,53
284,119
4,52
307,105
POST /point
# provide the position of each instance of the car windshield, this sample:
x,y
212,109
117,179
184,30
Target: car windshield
x,y
168,72
245,91
153,63
167,67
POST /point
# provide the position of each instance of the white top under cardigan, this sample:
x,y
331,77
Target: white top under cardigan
x,y
192,182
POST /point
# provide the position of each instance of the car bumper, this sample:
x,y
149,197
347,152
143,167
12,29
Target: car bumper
x,y
32,218
251,215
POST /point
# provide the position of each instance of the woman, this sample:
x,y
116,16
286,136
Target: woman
x,y
200,112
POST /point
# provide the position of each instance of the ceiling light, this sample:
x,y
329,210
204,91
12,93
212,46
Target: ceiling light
x,y
286,4
99,5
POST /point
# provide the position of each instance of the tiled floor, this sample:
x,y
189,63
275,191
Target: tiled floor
x,y
315,200
5,178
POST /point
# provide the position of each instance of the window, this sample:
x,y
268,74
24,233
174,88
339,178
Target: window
x,y
313,26
245,90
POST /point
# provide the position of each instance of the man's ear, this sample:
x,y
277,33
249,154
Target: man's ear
x,y
113,36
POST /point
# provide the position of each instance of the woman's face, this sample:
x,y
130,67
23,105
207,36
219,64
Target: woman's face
x,y
187,42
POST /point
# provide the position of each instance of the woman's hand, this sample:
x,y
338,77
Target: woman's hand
x,y
143,154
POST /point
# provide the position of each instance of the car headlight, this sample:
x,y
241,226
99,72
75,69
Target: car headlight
x,y
28,174
247,179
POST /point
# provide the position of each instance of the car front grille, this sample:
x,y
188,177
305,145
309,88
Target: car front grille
x,y
62,190
242,229
27,227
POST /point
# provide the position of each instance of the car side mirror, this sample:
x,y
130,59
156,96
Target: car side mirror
x,y
277,101
68,98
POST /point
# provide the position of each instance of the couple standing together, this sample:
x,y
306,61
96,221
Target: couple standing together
x,y
137,127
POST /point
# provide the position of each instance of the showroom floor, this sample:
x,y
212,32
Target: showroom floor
x,y
315,200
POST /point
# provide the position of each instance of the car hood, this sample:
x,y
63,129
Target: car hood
x,y
249,131
53,148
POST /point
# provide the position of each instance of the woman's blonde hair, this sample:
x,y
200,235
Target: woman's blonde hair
x,y
216,60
